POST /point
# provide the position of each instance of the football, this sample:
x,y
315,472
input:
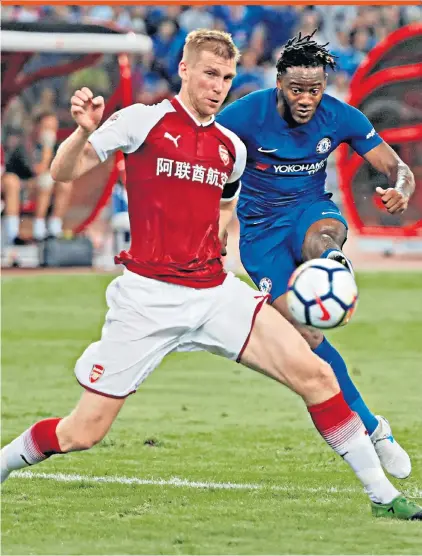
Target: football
x,y
322,293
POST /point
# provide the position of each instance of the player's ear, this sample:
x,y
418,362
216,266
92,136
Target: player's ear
x,y
182,69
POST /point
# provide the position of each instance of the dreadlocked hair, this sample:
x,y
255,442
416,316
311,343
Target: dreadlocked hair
x,y
303,51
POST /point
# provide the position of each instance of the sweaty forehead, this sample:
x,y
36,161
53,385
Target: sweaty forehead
x,y
301,74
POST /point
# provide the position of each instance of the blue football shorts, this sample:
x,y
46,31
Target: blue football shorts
x,y
270,252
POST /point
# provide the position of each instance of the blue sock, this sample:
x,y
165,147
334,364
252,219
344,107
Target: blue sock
x,y
351,394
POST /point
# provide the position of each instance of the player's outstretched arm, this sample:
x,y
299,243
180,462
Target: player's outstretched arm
x,y
401,179
76,156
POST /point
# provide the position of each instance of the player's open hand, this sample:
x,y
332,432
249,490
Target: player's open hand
x,y
86,110
395,201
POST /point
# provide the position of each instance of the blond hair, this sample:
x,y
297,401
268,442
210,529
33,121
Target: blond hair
x,y
219,43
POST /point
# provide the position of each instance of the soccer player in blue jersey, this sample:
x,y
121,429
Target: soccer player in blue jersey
x,y
286,215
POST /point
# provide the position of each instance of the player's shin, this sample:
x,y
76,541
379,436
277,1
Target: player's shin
x,y
345,433
36,444
328,353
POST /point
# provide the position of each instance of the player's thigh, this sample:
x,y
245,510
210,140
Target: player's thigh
x,y
313,336
89,422
276,349
269,261
142,325
322,217
227,315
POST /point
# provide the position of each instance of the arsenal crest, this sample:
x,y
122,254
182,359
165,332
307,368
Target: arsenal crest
x,y
224,154
97,372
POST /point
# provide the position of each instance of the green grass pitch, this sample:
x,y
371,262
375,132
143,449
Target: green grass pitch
x,y
201,418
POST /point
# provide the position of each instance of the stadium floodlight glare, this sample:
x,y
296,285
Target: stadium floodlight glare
x,y
21,41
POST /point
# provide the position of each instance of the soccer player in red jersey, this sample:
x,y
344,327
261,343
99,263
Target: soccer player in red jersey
x,y
174,295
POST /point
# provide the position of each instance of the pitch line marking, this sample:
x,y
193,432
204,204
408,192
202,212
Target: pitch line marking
x,y
185,483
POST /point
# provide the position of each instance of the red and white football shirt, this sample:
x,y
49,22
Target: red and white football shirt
x,y
177,170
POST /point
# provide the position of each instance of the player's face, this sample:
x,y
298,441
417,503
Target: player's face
x,y
206,81
302,90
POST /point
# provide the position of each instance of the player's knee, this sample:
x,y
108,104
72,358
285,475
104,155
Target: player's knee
x,y
323,379
326,235
318,376
313,336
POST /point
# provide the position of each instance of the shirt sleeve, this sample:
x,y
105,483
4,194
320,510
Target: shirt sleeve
x,y
126,129
358,131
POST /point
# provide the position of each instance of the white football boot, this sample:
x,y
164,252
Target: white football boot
x,y
392,456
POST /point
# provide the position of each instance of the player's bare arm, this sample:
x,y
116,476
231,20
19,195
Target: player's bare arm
x,y
400,177
226,214
76,156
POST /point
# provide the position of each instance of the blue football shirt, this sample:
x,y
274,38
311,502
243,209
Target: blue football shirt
x,y
286,164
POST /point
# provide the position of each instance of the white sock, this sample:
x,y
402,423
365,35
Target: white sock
x,y
21,452
11,224
55,225
39,229
360,454
345,433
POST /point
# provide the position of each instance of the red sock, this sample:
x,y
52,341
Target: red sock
x,y
44,436
335,421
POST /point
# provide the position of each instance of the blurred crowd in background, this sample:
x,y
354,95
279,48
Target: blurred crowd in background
x,y
258,31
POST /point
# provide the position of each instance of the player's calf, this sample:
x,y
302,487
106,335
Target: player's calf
x,y
87,425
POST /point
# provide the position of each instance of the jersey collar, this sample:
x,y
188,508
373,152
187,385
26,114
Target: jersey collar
x,y
178,104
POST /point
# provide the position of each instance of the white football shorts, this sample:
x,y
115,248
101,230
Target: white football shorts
x,y
148,319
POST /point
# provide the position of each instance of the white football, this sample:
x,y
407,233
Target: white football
x,y
322,293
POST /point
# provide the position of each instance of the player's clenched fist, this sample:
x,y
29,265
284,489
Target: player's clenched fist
x,y
395,201
86,110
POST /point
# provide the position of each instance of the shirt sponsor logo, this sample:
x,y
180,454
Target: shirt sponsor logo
x,y
323,146
186,171
371,133
293,168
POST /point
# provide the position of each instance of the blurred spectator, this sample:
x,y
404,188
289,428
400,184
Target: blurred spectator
x,y
95,78
138,19
312,19
46,103
27,172
149,81
162,39
348,58
339,85
249,76
101,14
195,18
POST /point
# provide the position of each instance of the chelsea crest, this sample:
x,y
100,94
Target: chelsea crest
x,y
324,145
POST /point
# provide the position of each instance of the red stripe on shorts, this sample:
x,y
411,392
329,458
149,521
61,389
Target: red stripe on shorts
x,y
257,309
